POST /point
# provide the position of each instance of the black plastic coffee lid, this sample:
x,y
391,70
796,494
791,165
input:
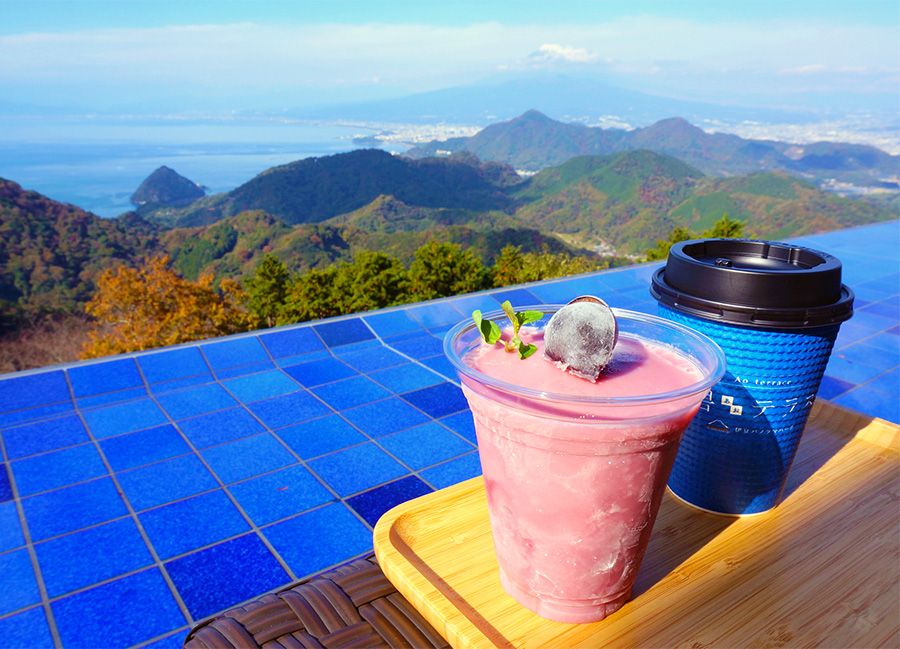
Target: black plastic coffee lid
x,y
753,283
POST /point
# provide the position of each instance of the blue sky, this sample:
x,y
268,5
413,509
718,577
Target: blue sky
x,y
226,55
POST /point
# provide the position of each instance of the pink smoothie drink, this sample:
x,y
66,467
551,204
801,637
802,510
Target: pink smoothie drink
x,y
574,469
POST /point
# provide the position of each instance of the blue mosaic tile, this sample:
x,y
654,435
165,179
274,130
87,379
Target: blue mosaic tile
x,y
241,370
27,630
311,542
424,445
850,370
518,297
219,427
190,524
6,492
832,387
234,353
463,424
19,585
888,383
174,641
356,468
72,508
111,397
77,560
383,417
281,494
441,365
10,528
33,390
247,457
321,371
449,473
224,575
143,447
289,409
44,436
437,314
552,293
406,378
889,308
870,355
350,392
109,376
34,414
438,400
372,359
871,402
372,504
124,418
194,401
362,345
166,481
483,302
421,346
179,384
56,469
291,342
256,387
144,606
392,323
343,332
173,364
290,361
319,436
886,342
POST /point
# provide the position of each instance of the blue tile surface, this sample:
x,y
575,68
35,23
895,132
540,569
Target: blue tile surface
x,y
281,494
27,630
256,387
289,409
247,457
318,539
124,418
10,528
144,606
173,364
384,417
372,504
56,469
19,584
194,401
320,436
193,523
72,508
364,413
143,447
77,560
357,468
219,427
108,376
221,576
164,482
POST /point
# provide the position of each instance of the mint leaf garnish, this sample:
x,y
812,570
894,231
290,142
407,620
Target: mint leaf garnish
x,y
489,329
491,332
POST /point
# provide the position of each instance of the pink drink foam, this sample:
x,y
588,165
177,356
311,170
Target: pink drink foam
x,y
573,488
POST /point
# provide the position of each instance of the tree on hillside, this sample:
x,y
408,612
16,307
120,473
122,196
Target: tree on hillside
x,y
443,269
152,306
512,266
311,296
267,289
725,228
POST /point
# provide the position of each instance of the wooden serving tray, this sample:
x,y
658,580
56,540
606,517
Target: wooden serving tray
x,y
822,569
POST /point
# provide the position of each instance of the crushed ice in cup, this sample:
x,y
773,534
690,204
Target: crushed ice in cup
x,y
581,336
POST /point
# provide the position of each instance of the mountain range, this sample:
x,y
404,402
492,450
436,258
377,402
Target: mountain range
x,y
534,141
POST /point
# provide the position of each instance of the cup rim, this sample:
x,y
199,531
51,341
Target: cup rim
x,y
708,380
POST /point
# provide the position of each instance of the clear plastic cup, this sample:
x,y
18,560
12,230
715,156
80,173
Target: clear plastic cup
x,y
574,482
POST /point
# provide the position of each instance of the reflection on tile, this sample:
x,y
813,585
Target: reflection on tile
x,y
206,580
256,387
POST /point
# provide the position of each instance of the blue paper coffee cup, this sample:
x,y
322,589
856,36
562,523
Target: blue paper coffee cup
x,y
775,310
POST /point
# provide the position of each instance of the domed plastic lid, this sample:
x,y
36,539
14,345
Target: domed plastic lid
x,y
754,283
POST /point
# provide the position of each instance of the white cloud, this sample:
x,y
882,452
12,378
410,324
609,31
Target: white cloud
x,y
551,52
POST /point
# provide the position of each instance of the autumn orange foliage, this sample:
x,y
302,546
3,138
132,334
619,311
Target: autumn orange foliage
x,y
152,306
